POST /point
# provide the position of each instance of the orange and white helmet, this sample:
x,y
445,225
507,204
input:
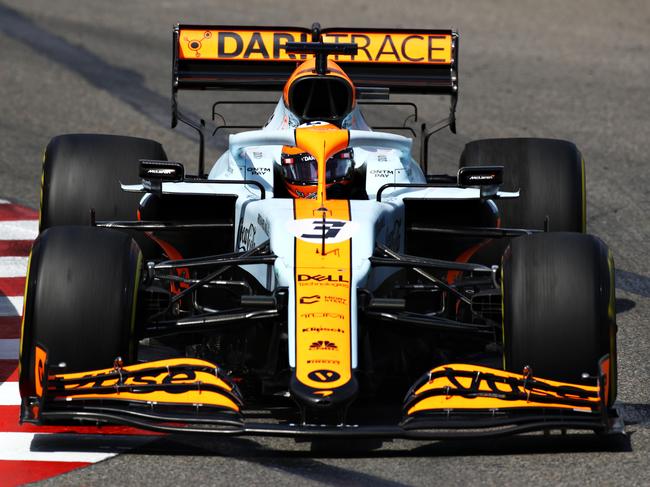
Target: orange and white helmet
x,y
300,172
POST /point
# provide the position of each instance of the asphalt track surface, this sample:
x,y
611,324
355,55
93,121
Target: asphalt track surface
x,y
577,71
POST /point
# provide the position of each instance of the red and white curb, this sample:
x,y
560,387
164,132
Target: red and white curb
x,y
29,453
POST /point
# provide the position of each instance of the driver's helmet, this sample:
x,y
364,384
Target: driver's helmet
x,y
300,172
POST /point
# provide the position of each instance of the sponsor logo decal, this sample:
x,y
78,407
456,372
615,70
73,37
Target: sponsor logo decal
x,y
40,357
258,171
323,345
310,299
336,300
482,177
324,362
159,171
247,238
195,44
324,375
322,329
321,278
382,173
334,316
268,45
178,375
323,393
264,225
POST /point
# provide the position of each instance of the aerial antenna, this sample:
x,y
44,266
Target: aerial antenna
x,y
315,32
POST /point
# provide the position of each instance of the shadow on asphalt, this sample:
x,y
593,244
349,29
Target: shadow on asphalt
x,y
191,445
623,305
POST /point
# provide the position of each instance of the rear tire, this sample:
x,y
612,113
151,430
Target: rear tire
x,y
549,173
84,171
80,300
559,306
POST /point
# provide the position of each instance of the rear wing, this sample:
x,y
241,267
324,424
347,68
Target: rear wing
x,y
253,58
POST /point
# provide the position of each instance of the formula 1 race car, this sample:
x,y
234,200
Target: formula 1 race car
x,y
318,281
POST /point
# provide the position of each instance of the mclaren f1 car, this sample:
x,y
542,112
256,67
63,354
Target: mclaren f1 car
x,y
318,280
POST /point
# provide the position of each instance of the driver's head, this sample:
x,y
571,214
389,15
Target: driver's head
x,y
326,97
300,172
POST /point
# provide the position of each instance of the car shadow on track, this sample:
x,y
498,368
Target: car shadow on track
x,y
250,448
313,461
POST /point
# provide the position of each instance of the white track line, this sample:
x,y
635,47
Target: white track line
x,y
9,348
18,446
9,394
13,266
18,229
4,202
11,305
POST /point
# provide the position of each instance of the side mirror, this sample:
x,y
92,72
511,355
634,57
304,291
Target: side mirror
x,y
487,178
154,173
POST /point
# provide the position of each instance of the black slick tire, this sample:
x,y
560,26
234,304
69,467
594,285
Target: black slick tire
x,y
559,306
80,300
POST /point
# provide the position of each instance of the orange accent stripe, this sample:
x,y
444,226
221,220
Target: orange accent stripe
x,y
463,258
174,254
323,321
322,141
203,396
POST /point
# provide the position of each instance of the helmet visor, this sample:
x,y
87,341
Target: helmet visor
x,y
303,169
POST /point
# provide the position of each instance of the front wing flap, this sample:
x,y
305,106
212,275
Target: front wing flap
x,y
195,396
471,398
183,389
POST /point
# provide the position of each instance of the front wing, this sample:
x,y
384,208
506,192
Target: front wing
x,y
195,396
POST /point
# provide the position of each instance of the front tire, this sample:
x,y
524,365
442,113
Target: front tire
x,y
559,306
80,300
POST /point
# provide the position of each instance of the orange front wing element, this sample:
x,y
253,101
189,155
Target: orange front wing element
x,y
183,381
470,387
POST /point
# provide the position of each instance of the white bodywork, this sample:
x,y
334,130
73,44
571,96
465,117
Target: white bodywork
x,y
253,155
